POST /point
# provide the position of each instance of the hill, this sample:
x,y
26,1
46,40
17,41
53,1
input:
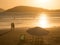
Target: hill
x,y
1,10
25,9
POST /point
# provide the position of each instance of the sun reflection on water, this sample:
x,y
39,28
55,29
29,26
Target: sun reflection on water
x,y
43,21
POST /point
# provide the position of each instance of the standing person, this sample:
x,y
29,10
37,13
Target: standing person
x,y
12,26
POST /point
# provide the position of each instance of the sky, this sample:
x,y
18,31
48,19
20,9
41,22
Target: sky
x,y
48,4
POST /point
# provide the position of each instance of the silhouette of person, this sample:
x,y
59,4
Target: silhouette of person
x,y
12,26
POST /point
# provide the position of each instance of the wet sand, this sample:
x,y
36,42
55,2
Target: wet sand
x,y
8,37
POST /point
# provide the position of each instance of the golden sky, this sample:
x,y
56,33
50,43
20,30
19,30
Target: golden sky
x,y
48,4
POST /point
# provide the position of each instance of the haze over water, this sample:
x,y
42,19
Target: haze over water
x,y
29,21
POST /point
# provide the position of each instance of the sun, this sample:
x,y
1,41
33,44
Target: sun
x,y
44,1
41,3
43,21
